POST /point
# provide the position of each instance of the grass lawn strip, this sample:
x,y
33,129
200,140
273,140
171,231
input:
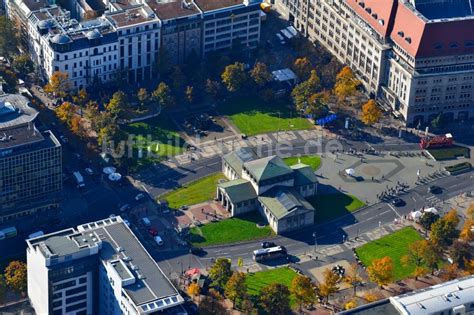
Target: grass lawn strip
x,y
195,192
449,153
252,116
395,246
258,280
236,229
311,160
331,206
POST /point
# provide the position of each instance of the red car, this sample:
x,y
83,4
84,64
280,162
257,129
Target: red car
x,y
152,231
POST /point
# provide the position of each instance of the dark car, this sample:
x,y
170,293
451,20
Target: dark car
x,y
268,244
197,251
397,202
434,189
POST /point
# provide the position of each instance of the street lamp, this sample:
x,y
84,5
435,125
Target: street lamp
x,y
315,243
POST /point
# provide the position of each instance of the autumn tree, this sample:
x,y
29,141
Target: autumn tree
x,y
211,304
58,84
189,94
22,64
16,275
8,37
193,289
302,290
234,76
260,74
415,257
381,271
317,103
76,126
443,232
302,67
81,99
370,113
143,96
346,84
351,304
353,277
117,104
302,92
372,296
65,112
467,233
235,287
469,267
162,95
427,219
459,252
220,272
213,88
432,255
329,284
275,299
450,272
452,216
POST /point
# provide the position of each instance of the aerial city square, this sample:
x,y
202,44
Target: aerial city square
x,y
237,157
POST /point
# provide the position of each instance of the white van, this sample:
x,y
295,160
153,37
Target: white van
x,y
36,234
159,241
146,221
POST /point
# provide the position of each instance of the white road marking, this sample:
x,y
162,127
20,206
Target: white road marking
x,y
391,207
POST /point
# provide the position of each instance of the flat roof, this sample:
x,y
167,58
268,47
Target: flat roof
x,y
15,110
171,9
131,17
210,5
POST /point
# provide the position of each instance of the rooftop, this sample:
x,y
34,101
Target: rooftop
x,y
171,9
210,5
131,17
238,190
281,201
15,111
267,168
238,157
304,175
444,9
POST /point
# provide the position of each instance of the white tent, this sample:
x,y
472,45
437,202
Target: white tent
x,y
109,170
432,210
115,177
350,171
415,215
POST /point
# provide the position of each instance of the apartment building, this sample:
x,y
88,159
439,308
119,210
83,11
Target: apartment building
x,y
415,57
30,161
128,37
97,268
454,297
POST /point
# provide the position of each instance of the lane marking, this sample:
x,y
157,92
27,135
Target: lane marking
x,y
391,207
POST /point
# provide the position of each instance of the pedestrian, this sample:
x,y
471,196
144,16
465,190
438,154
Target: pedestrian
x,y
202,210
372,178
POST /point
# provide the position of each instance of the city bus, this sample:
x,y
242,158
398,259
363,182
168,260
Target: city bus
x,y
269,253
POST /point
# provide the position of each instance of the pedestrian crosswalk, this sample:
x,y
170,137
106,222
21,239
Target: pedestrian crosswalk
x,y
433,201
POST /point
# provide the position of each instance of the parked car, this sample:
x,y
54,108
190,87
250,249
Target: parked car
x,y
268,244
89,171
146,221
139,196
184,207
124,207
152,231
158,241
198,251
63,139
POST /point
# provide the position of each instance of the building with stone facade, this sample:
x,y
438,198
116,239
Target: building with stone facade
x,y
99,41
415,56
30,161
268,185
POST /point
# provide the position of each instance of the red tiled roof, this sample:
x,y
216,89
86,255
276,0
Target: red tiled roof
x,y
378,13
431,39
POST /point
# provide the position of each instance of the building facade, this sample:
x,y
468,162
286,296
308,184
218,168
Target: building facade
x,y
101,41
97,268
30,161
269,186
416,57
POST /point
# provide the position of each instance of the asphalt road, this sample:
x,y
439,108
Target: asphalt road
x,y
330,233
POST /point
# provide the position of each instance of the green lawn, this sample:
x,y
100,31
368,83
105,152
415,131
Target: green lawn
x,y
252,116
331,206
394,245
158,135
312,160
449,153
195,192
236,229
258,280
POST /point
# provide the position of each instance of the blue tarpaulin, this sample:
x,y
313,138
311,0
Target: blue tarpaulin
x,y
325,120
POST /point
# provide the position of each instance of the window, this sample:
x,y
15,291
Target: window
x,y
76,290
76,307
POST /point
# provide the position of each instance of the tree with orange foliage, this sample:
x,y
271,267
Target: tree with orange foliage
x,y
76,126
452,216
450,272
381,271
346,84
466,232
65,112
370,113
193,289
58,84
